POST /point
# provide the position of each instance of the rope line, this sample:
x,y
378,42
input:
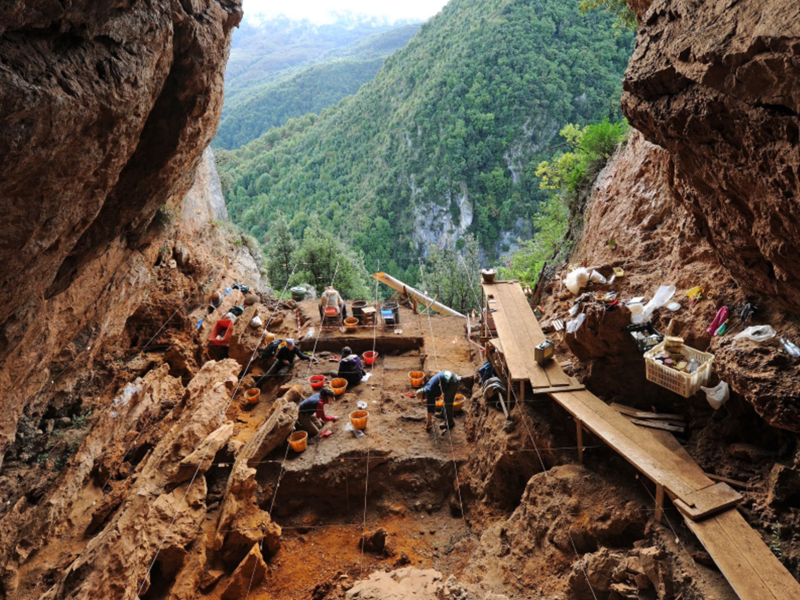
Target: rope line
x,y
369,441
447,419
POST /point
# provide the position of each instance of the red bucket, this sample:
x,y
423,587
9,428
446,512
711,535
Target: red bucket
x,y
317,382
370,356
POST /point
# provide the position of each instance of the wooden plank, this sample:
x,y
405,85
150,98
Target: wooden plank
x,y
741,555
643,414
728,480
559,388
635,444
659,514
744,559
708,501
514,359
523,308
520,332
657,425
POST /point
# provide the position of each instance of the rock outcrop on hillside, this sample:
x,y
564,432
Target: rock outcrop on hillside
x,y
105,110
717,84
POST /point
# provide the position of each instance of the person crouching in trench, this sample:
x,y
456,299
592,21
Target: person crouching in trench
x,y
311,416
445,384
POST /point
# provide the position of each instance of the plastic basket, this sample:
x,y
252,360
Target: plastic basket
x,y
458,403
685,384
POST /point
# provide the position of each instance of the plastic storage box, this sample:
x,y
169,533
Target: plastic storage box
x,y
685,384
647,337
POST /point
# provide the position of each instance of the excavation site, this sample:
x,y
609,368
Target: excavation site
x,y
420,300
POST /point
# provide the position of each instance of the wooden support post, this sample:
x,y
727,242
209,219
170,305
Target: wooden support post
x,y
522,391
580,439
659,502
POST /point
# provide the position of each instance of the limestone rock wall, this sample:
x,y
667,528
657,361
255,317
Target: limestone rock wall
x,y
717,84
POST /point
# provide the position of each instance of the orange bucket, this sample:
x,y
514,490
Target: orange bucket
x,y
370,356
338,386
458,403
350,324
359,419
252,396
417,378
298,441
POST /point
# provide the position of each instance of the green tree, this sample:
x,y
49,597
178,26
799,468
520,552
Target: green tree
x,y
452,275
462,114
323,260
619,8
568,177
280,250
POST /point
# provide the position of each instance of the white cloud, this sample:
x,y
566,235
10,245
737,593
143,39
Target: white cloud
x,y
322,11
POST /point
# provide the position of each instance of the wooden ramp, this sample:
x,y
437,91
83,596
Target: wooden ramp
x,y
747,563
519,333
741,555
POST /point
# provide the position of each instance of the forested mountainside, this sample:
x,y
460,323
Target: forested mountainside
x,y
260,100
445,140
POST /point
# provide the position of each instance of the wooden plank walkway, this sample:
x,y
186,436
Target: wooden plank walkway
x,y
520,333
741,555
752,570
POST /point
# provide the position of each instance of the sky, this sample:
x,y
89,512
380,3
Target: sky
x,y
321,11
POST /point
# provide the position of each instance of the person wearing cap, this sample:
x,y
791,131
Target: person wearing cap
x,y
444,384
311,416
284,358
331,299
350,367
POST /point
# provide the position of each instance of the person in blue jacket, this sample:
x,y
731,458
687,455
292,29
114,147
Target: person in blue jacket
x,y
445,384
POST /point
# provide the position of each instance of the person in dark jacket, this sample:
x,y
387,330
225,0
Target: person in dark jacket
x,y
350,367
284,360
311,416
445,384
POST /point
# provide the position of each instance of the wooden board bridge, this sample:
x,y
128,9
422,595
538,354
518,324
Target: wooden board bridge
x,y
708,507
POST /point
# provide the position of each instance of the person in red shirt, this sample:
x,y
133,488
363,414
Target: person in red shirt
x,y
311,416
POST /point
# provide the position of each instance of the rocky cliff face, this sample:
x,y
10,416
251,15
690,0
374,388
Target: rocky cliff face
x,y
717,84
705,194
105,109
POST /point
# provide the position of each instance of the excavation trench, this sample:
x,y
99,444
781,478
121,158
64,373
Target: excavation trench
x,y
341,490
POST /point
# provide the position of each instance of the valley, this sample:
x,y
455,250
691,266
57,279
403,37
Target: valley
x,y
152,449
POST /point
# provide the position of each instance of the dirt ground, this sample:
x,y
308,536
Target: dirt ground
x,y
398,477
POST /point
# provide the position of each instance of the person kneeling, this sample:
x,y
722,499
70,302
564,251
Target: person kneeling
x,y
311,416
350,367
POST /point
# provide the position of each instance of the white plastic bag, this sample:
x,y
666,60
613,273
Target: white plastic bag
x,y
718,395
256,322
576,280
757,333
575,324
661,297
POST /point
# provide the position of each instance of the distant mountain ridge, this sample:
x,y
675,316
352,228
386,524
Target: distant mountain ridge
x,y
273,77
445,140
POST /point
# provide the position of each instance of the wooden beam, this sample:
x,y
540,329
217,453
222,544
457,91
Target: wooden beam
x,y
706,502
659,503
666,426
643,414
580,439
